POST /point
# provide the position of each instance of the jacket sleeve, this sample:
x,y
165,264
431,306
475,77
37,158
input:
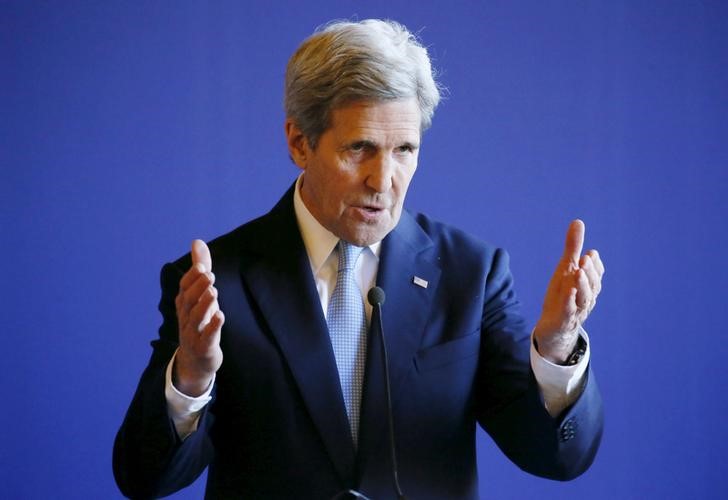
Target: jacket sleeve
x,y
149,459
508,402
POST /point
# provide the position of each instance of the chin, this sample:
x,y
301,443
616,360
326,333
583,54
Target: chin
x,y
366,238
362,234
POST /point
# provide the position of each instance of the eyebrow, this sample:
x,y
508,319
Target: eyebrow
x,y
372,144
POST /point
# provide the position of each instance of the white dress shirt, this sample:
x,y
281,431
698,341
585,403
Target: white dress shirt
x,y
560,385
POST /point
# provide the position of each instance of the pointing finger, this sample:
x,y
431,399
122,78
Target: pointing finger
x,y
574,242
201,255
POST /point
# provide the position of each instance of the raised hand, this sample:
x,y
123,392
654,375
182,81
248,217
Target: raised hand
x,y
570,297
199,319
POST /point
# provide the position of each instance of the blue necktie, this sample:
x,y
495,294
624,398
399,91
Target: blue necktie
x,y
348,330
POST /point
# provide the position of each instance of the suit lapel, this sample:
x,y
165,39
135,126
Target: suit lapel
x,y
405,262
281,282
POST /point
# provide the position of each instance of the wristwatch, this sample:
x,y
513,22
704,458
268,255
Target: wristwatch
x,y
577,353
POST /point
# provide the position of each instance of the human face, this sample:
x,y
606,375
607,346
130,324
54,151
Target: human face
x,y
356,179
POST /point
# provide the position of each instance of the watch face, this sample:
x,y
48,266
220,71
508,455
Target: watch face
x,y
578,353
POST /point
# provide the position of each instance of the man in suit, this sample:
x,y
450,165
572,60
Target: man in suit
x,y
298,409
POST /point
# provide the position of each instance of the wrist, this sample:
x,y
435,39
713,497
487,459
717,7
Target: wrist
x,y
190,382
560,349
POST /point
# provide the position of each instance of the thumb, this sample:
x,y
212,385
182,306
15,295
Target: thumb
x,y
574,242
201,254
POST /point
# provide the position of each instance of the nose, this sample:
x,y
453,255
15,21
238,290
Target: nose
x,y
380,172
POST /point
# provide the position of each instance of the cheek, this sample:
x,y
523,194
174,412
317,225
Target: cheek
x,y
338,191
402,182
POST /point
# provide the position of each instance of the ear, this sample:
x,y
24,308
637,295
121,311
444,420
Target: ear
x,y
297,144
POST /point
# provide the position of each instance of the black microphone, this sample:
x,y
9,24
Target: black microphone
x,y
376,299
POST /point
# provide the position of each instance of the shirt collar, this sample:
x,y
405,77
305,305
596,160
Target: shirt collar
x,y
318,240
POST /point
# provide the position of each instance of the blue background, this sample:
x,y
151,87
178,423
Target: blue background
x,y
130,128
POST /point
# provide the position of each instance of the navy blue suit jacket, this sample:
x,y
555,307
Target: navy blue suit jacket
x,y
277,427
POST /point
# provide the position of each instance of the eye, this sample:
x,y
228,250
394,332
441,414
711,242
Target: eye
x,y
405,148
360,147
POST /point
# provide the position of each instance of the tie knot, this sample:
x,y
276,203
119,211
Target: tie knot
x,y
348,255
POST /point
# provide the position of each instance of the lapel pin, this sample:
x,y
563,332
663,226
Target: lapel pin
x,y
419,281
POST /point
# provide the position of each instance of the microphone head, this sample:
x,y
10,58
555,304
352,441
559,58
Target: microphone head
x,y
376,296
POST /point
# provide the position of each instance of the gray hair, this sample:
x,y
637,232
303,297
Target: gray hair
x,y
348,61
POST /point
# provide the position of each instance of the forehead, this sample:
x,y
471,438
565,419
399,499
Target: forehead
x,y
381,120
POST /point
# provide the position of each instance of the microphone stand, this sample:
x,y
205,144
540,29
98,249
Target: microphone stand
x,y
376,298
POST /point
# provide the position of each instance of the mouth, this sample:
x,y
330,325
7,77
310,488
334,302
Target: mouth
x,y
370,207
369,212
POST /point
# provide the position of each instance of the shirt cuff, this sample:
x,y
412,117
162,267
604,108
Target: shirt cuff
x,y
184,410
560,385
